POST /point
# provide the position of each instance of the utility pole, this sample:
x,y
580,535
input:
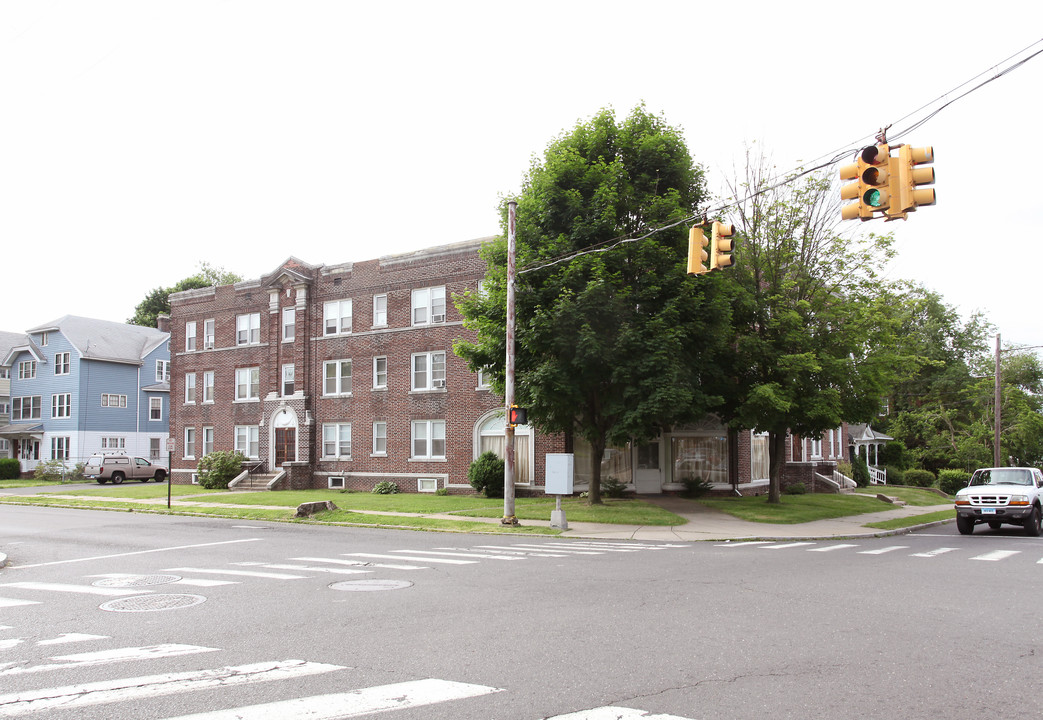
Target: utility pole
x,y
999,396
508,461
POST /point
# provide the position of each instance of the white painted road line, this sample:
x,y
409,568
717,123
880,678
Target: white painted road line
x,y
881,551
312,568
996,555
416,693
615,713
239,573
204,582
934,553
85,589
10,643
830,548
444,561
523,551
137,552
131,654
786,545
12,602
362,563
130,689
65,638
751,543
559,549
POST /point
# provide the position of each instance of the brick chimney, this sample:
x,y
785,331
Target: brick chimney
x,y
163,322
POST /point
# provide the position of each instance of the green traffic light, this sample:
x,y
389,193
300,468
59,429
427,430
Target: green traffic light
x,y
872,198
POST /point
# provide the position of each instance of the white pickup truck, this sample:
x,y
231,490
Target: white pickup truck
x,y
995,496
118,468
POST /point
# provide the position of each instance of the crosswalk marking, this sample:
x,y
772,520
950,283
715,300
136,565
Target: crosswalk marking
x,y
444,561
85,589
362,563
523,551
204,582
881,551
127,689
751,543
410,694
934,553
786,545
12,602
10,643
308,568
243,573
559,549
830,548
615,713
66,638
996,555
131,654
449,552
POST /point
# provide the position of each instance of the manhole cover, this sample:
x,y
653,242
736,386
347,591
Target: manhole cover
x,y
136,580
370,585
152,603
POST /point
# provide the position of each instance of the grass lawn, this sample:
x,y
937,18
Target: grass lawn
x,y
138,491
912,496
899,523
797,508
30,482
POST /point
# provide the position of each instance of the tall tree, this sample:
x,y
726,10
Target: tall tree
x,y
811,345
157,301
613,339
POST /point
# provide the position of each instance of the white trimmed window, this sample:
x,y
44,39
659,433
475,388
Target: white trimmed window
x,y
162,371
336,441
483,379
190,443
190,388
287,379
246,440
380,437
289,323
59,448
61,363
429,370
248,383
208,440
428,305
43,339
155,408
380,310
336,376
428,439
25,408
190,336
336,317
61,405
208,386
816,448
113,443
209,332
380,373
248,329
113,400
428,485
27,370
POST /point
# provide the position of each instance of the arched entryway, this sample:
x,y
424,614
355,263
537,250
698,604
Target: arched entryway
x,y
283,437
490,433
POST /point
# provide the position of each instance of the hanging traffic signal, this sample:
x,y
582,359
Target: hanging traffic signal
x,y
871,186
906,196
721,246
697,251
517,416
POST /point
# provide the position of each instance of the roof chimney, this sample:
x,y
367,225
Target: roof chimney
x,y
163,322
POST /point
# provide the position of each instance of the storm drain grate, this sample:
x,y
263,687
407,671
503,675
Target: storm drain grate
x,y
136,580
370,585
152,603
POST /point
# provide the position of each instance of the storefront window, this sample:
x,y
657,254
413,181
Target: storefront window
x,y
759,460
700,458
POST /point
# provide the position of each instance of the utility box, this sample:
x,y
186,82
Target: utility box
x,y
560,472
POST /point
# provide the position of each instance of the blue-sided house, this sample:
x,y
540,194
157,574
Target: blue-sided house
x,y
81,386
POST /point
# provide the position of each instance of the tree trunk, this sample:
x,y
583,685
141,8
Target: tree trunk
x,y
597,454
776,458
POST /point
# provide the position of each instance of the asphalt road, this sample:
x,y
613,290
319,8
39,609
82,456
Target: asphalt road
x,y
125,615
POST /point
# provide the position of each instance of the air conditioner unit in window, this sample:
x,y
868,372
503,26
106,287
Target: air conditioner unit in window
x,y
438,383
438,318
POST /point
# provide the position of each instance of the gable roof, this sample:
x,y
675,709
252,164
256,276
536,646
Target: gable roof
x,y
8,342
106,340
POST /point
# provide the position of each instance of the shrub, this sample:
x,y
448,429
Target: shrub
x,y
486,474
695,487
860,472
442,491
386,488
895,475
845,469
58,471
10,469
612,488
219,468
895,454
949,481
795,489
919,478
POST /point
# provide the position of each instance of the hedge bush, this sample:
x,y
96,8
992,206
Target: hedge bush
x,y
386,487
949,481
10,469
219,468
919,478
486,474
895,476
860,472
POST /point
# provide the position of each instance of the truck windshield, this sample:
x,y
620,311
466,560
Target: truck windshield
x,y
1002,476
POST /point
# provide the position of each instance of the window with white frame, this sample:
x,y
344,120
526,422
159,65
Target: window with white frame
x,y
162,371
5,373
246,440
428,439
5,407
428,305
25,408
428,485
61,405
380,310
483,379
287,379
336,377
190,388
61,363
380,437
336,317
208,386
209,334
155,408
380,373
208,440
113,400
289,323
43,339
816,447
248,383
59,448
190,443
27,370
5,446
153,449
190,336
113,443
336,441
429,370
248,329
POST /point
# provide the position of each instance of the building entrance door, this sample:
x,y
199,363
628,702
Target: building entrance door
x,y
285,445
648,479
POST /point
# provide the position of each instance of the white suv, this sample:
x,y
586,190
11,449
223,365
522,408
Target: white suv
x,y
1001,495
118,468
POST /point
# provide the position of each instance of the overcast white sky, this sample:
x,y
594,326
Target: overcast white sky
x,y
141,138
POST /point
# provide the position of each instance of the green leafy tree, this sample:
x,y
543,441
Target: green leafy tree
x,y
157,301
812,345
613,340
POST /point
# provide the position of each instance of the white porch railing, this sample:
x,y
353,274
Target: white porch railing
x,y
877,476
843,481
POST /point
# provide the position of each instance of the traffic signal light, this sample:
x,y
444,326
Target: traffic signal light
x,y
721,246
871,186
697,251
517,416
906,196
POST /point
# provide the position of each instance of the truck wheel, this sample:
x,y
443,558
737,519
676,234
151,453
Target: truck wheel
x,y
1033,526
160,476
964,525
102,481
117,478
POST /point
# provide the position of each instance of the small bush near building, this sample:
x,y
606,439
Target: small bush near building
x,y
919,478
10,469
860,472
385,488
949,481
219,468
695,487
612,488
895,475
486,474
795,489
57,471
